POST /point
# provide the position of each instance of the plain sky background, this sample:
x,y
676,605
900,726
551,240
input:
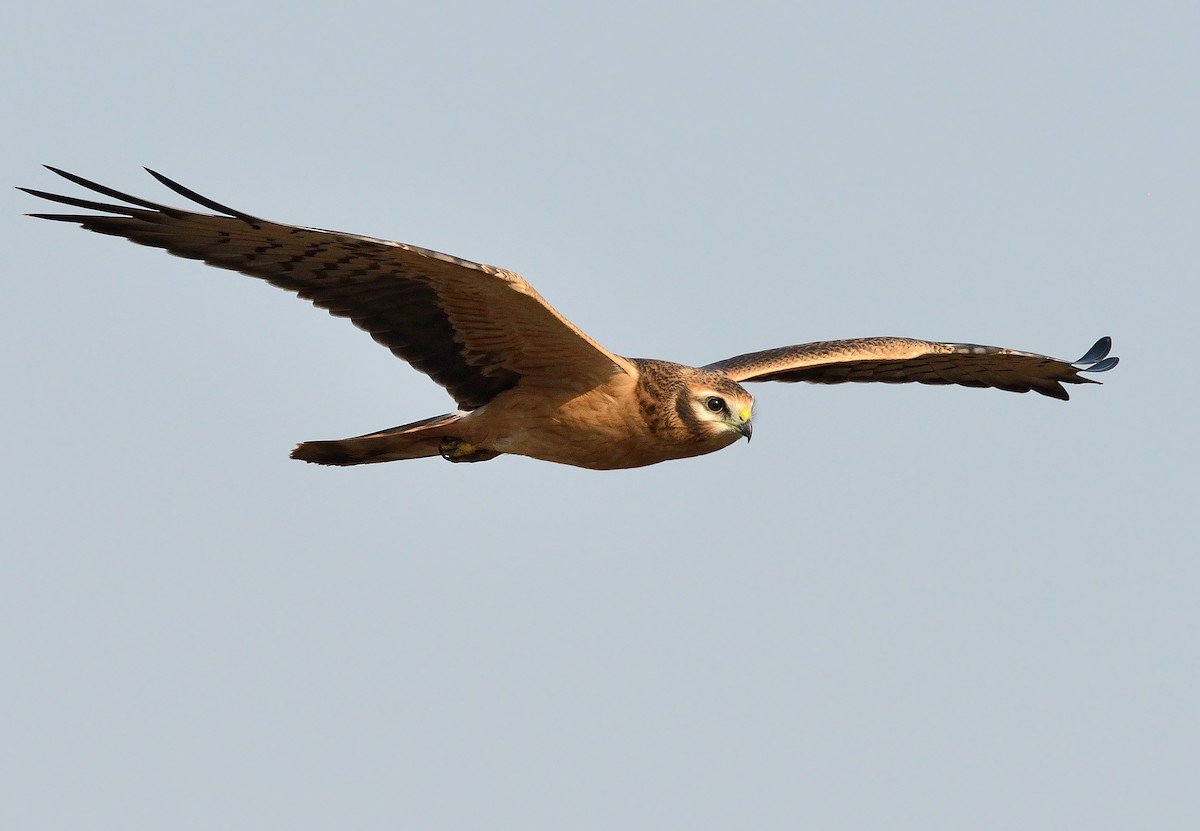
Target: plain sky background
x,y
899,607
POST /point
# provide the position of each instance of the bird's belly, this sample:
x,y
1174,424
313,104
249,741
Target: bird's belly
x,y
601,447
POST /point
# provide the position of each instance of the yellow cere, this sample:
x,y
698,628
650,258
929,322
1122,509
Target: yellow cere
x,y
744,415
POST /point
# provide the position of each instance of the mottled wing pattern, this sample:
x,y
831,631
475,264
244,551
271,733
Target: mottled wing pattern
x,y
475,329
903,360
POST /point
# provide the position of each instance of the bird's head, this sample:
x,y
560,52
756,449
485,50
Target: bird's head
x,y
716,407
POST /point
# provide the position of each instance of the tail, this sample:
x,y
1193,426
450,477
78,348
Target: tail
x,y
409,441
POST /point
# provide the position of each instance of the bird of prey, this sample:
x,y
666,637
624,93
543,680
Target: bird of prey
x,y
526,381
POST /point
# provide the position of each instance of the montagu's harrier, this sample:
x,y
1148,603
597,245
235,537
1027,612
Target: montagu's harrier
x,y
526,380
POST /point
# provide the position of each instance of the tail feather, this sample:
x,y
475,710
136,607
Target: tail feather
x,y
409,441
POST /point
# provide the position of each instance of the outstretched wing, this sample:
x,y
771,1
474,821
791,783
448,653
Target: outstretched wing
x,y
475,329
903,360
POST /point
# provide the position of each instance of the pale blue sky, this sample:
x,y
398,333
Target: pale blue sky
x,y
900,607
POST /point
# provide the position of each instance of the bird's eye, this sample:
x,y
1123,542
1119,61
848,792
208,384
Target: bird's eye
x,y
715,404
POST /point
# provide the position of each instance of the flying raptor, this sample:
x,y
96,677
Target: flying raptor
x,y
526,380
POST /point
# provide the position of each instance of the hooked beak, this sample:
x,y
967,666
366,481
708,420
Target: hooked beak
x,y
745,426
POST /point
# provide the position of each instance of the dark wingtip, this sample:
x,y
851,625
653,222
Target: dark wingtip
x,y
96,187
202,200
133,200
64,217
1099,350
1096,359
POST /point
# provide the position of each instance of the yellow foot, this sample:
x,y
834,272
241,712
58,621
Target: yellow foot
x,y
456,450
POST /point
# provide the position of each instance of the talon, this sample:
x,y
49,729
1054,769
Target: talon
x,y
452,449
457,450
